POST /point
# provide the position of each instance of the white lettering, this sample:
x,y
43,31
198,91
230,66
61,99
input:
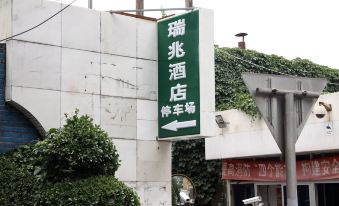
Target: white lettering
x,y
176,50
178,93
165,111
178,71
176,28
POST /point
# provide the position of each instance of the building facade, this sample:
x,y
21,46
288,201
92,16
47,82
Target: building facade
x,y
252,162
103,64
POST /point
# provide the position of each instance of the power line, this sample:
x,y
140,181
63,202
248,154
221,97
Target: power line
x,y
333,83
267,69
36,26
249,62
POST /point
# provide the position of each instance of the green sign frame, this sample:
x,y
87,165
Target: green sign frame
x,y
179,76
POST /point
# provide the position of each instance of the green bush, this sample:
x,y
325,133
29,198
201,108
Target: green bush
x,y
16,177
101,190
77,164
79,149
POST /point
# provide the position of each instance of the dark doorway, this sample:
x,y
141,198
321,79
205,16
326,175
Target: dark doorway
x,y
241,192
303,195
328,194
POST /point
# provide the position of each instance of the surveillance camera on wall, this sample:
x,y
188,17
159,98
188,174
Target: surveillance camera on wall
x,y
319,111
253,200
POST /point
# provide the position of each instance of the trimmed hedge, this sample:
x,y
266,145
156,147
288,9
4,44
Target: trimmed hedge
x,y
101,190
16,177
73,166
80,149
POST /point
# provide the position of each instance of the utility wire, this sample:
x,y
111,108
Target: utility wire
x,y
267,69
241,59
36,26
249,62
333,83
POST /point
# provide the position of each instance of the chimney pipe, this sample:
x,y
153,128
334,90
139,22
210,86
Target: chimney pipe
x,y
139,4
188,3
242,44
90,4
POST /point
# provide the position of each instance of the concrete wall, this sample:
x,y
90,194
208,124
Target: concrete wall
x,y
103,64
15,128
245,137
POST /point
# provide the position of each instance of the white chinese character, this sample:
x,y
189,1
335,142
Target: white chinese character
x,y
270,169
175,50
178,93
224,168
177,109
238,170
165,111
306,168
279,170
262,170
190,107
178,71
335,167
315,168
176,28
246,170
230,170
326,167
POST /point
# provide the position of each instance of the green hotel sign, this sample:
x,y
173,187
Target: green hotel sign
x,y
179,76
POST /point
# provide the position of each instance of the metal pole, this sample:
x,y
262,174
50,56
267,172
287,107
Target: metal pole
x,y
90,4
188,3
290,159
149,10
139,4
228,186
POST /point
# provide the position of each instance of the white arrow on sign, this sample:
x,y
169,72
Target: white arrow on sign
x,y
175,125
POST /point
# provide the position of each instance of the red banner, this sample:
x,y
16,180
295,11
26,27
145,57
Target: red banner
x,y
317,169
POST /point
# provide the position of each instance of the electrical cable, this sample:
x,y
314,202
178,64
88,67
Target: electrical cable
x,y
267,69
68,5
36,26
257,65
333,83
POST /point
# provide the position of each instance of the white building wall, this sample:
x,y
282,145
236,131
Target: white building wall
x,y
245,137
103,64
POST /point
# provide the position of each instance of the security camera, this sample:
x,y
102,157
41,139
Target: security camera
x,y
252,200
319,111
184,197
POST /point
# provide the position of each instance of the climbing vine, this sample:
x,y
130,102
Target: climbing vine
x,y
188,157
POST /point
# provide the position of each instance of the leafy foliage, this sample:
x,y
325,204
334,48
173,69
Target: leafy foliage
x,y
188,157
77,164
231,92
80,148
16,177
100,190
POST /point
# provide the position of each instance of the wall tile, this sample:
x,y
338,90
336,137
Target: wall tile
x,y
118,76
118,117
80,71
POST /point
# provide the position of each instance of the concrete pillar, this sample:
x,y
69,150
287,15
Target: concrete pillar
x,y
226,192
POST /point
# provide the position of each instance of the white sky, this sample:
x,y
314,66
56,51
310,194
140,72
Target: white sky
x,y
290,28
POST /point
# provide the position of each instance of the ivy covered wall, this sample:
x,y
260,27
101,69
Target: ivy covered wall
x,y
188,157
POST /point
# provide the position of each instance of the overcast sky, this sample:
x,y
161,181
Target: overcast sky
x,y
290,28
